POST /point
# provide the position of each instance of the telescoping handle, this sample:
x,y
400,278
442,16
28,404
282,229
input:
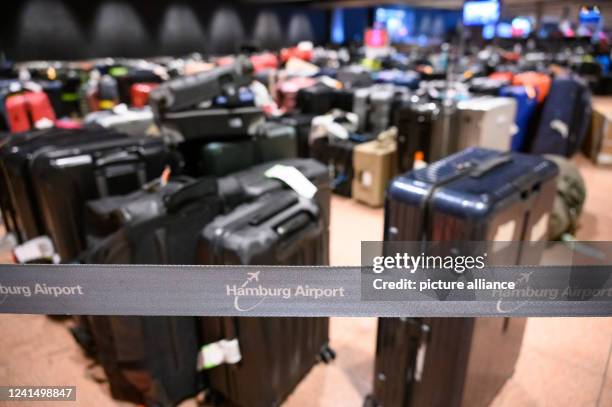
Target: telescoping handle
x,y
489,165
118,165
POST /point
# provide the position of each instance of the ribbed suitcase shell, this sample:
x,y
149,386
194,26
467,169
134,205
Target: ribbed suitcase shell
x,y
65,177
510,196
284,348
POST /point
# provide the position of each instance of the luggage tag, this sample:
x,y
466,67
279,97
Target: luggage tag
x,y
293,178
217,353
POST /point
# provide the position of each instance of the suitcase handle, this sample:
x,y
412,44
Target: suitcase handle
x,y
111,165
489,165
293,224
191,193
273,208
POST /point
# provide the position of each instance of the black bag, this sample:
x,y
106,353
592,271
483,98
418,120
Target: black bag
x,y
278,229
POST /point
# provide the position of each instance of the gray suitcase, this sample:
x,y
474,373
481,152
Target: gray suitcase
x,y
486,122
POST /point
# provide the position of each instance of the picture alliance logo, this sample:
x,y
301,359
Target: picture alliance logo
x,y
252,292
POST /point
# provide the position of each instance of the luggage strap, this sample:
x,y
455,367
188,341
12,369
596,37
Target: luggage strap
x,y
467,168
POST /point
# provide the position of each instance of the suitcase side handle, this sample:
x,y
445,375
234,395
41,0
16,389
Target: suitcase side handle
x,y
489,165
191,193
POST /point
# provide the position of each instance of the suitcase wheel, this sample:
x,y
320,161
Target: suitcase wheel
x,y
327,354
370,401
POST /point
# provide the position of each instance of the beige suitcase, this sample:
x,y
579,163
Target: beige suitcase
x,y
486,122
598,145
374,165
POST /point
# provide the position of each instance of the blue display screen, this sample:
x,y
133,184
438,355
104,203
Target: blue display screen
x,y
481,12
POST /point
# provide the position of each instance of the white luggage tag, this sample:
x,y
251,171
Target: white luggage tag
x,y
37,249
560,126
293,178
217,353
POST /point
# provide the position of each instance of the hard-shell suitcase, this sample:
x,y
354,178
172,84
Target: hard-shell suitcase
x,y
374,106
216,123
272,141
302,124
280,228
135,122
427,128
526,108
337,154
317,99
287,91
441,361
65,177
22,197
565,118
374,164
598,144
486,122
152,360
25,110
139,93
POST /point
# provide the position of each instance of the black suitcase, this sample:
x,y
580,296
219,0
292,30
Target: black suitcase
x,y
18,154
152,360
65,177
443,361
302,124
426,127
281,228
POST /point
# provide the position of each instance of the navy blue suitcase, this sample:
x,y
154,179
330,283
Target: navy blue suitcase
x,y
476,194
527,105
502,189
565,118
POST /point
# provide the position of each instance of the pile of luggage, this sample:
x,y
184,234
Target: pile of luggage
x,y
192,161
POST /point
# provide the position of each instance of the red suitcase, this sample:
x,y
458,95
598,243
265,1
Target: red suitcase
x,y
17,113
39,107
139,93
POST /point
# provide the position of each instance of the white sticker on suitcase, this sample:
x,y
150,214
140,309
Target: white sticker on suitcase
x,y
540,230
505,231
294,179
366,179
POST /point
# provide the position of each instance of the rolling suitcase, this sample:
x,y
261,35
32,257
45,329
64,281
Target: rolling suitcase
x,y
25,110
374,164
271,141
526,108
565,118
281,228
66,176
301,124
139,93
598,145
15,166
152,360
486,122
134,122
425,128
317,99
441,361
337,154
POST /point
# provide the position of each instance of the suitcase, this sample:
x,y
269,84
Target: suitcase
x,y
25,110
539,81
126,78
281,228
214,123
152,360
425,128
66,176
301,123
375,105
287,91
374,164
598,145
353,77
526,108
272,141
139,93
507,76
486,122
416,357
486,86
15,165
189,91
134,122
317,99
565,118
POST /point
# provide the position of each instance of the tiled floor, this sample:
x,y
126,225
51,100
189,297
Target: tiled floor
x,y
562,362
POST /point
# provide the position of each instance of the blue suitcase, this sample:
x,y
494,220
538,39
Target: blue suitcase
x,y
527,105
475,194
565,118
508,193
